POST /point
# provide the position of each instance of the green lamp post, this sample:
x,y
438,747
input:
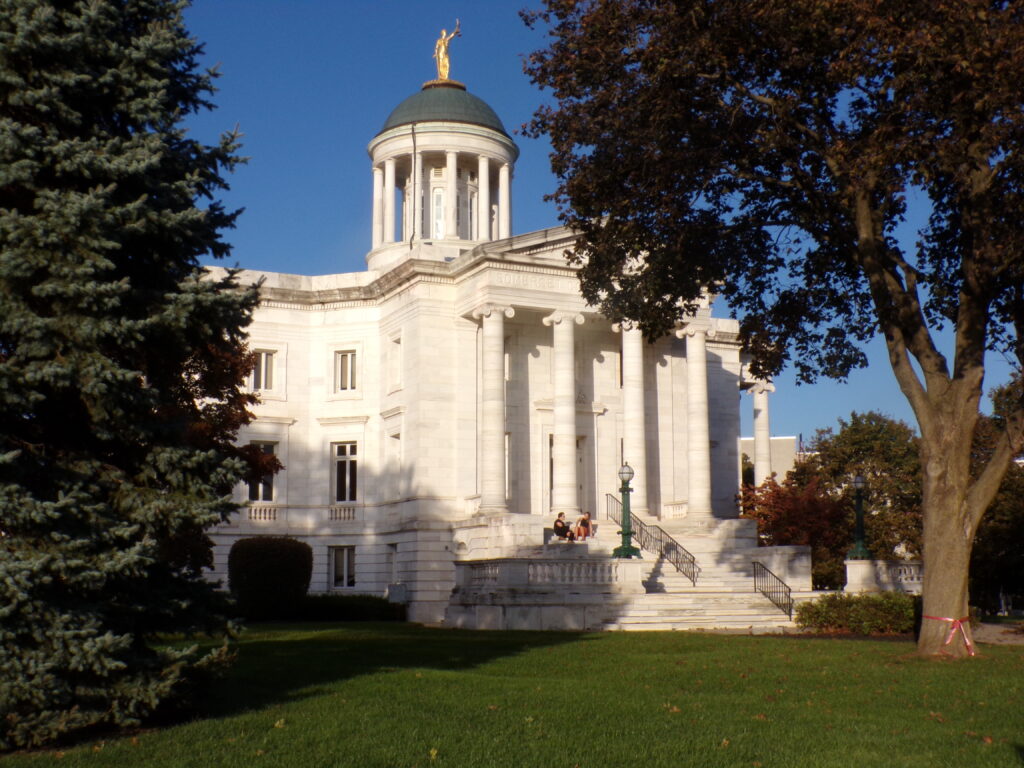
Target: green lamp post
x,y
859,550
627,549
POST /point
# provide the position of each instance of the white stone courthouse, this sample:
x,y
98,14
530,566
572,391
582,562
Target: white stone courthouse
x,y
434,413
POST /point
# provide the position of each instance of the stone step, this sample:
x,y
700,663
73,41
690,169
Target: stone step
x,y
761,627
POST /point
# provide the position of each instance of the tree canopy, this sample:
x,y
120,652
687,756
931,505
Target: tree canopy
x,y
120,364
765,151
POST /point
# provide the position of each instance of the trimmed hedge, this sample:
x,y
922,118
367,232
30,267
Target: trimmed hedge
x,y
882,613
269,575
347,608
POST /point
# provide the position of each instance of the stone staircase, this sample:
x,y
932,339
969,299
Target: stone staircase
x,y
723,598
510,587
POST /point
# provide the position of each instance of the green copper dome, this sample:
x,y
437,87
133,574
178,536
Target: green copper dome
x,y
446,101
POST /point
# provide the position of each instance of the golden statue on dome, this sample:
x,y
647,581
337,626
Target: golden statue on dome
x,y
441,51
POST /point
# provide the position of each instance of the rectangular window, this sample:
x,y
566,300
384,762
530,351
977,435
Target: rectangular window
x,y
344,566
346,472
439,232
262,376
345,371
262,489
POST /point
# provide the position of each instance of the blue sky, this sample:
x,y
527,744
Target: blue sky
x,y
310,82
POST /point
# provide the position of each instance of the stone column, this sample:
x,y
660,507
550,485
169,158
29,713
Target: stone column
x,y
483,218
762,432
563,456
377,236
504,201
416,229
698,430
634,438
451,197
389,200
492,428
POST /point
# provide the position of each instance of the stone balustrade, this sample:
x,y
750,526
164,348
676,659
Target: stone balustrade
x,y
278,516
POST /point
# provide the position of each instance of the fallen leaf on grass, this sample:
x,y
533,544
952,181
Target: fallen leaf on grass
x,y
673,709
433,754
724,744
492,707
279,723
760,716
937,717
986,739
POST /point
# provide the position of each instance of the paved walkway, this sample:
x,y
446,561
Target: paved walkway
x,y
1000,634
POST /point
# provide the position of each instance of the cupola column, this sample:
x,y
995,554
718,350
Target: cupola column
x,y
416,229
451,231
483,218
378,195
389,200
504,201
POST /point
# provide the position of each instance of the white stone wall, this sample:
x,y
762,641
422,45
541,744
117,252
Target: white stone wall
x,y
416,412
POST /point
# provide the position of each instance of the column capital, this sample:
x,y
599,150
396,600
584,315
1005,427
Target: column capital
x,y
557,317
625,325
485,310
694,327
759,387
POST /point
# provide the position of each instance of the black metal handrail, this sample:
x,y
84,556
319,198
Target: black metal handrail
x,y
654,539
774,588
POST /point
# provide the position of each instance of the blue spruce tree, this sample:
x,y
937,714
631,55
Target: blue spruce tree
x,y
120,365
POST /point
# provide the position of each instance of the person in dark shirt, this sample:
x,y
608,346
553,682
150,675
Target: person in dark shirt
x,y
583,526
562,529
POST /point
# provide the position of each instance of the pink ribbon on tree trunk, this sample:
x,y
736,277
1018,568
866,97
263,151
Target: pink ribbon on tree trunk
x,y
956,624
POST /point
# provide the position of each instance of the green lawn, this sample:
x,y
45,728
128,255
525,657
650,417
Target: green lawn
x,y
397,695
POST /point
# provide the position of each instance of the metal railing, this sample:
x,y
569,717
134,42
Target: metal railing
x,y
774,588
654,539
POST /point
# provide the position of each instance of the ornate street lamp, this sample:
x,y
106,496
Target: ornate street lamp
x,y
859,550
627,549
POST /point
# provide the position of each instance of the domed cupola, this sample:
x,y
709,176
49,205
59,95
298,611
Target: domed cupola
x,y
442,170
444,101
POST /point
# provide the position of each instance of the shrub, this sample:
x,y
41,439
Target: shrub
x,y
348,608
269,575
884,613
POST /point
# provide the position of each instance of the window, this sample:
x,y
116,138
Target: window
x,y
262,489
346,472
439,213
262,376
345,371
344,566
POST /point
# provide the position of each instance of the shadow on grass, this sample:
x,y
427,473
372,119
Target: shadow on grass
x,y
288,662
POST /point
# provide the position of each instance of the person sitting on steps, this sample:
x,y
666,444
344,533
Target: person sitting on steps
x,y
562,529
583,526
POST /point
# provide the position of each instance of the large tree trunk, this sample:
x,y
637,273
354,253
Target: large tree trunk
x,y
947,554
949,525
